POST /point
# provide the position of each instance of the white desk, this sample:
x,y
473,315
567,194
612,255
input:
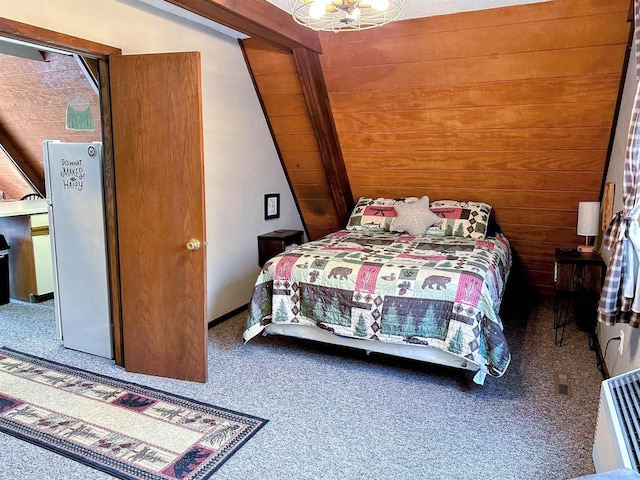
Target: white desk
x,y
22,207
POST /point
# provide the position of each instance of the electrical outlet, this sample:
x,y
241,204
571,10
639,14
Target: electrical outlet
x,y
621,346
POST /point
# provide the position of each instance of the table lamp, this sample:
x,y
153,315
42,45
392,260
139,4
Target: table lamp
x,y
588,223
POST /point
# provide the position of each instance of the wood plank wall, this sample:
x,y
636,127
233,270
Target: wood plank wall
x,y
510,106
33,105
276,79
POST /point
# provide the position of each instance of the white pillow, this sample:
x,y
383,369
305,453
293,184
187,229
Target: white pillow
x,y
415,217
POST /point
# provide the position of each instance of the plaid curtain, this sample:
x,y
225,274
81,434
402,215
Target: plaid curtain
x,y
620,296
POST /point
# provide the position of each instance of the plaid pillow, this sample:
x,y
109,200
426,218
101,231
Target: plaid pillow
x,y
372,214
463,219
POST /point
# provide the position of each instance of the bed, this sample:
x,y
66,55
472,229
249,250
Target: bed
x,y
406,277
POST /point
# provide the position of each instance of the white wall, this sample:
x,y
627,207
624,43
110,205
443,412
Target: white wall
x,y
630,358
241,163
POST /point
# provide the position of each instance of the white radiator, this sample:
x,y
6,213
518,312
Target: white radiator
x,y
617,439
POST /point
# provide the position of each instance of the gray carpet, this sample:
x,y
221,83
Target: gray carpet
x,y
338,414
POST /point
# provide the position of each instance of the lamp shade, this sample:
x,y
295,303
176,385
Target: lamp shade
x,y
588,218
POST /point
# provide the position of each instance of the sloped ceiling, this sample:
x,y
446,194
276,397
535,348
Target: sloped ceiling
x,y
33,106
511,106
12,182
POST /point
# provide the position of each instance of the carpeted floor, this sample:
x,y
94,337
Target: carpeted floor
x,y
338,414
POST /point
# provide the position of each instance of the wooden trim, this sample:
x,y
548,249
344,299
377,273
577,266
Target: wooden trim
x,y
260,20
49,38
111,218
41,36
22,163
319,109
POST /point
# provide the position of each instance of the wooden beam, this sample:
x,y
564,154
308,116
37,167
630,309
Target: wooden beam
x,y
21,161
49,38
258,19
321,116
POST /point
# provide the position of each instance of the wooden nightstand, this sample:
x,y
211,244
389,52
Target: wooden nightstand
x,y
273,243
578,280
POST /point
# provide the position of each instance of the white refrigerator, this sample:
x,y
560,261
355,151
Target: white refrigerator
x,y
73,181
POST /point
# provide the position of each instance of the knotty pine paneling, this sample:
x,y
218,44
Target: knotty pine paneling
x,y
511,106
594,88
592,114
557,9
415,178
307,176
529,161
490,140
279,83
299,145
276,79
599,60
536,216
575,32
33,105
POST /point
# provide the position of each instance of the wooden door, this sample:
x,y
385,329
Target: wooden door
x,y
158,162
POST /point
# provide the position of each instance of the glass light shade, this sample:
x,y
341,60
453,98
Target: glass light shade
x,y
344,15
380,4
354,14
316,10
588,218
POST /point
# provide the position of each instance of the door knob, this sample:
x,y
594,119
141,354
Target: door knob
x,y
193,244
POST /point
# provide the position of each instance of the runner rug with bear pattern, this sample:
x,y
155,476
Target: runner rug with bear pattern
x,y
127,430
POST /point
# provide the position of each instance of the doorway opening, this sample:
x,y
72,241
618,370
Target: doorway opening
x,y
45,94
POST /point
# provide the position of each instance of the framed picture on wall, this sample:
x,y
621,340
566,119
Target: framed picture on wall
x,y
271,206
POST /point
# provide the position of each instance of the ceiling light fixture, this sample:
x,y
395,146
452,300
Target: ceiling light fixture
x,y
344,15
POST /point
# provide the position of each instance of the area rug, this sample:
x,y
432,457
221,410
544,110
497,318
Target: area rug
x,y
127,430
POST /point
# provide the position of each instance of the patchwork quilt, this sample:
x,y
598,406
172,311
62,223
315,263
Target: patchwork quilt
x,y
443,292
